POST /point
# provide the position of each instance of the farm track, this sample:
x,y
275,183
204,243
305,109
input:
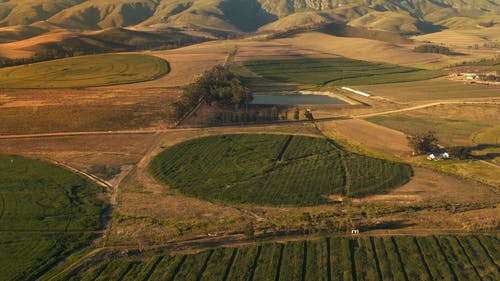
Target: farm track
x,y
239,240
153,131
75,264
424,106
92,177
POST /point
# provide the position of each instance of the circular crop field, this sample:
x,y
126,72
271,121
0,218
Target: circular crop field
x,y
46,213
273,170
85,71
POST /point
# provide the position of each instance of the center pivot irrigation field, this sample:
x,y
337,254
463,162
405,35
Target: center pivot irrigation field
x,y
85,71
273,170
367,258
45,213
336,71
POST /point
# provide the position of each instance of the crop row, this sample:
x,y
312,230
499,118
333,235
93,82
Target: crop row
x,y
367,258
336,71
273,170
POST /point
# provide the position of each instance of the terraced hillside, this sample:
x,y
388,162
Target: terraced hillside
x,y
273,170
366,258
46,212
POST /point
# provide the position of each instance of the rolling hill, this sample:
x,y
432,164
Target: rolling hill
x,y
250,15
40,28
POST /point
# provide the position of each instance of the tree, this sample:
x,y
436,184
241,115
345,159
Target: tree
x,y
423,143
296,113
250,230
308,114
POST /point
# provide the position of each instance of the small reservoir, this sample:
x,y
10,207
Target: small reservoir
x,y
294,99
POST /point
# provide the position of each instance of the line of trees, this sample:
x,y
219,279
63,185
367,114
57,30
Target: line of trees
x,y
435,49
52,53
216,86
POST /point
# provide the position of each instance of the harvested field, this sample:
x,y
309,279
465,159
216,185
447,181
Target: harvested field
x,y
430,90
428,186
455,124
366,134
45,111
449,132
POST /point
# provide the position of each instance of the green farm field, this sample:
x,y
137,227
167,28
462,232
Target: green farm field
x,y
273,170
45,213
85,71
336,72
365,258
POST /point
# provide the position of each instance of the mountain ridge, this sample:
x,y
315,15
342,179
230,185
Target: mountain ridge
x,y
243,16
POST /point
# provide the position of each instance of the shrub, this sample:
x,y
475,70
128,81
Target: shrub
x,y
435,49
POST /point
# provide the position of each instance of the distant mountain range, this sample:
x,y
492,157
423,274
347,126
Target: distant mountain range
x,y
240,16
58,28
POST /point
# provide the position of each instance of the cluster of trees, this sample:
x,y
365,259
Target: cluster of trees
x,y
307,114
6,62
50,54
423,143
436,49
216,86
253,115
428,143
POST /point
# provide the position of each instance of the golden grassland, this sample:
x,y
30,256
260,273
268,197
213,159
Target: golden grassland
x,y
431,90
463,38
44,111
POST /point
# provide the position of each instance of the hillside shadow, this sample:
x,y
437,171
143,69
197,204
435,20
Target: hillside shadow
x,y
429,27
246,15
344,30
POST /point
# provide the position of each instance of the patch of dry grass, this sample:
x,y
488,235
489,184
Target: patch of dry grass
x,y
431,90
29,111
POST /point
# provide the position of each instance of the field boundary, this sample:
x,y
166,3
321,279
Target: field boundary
x,y
92,177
